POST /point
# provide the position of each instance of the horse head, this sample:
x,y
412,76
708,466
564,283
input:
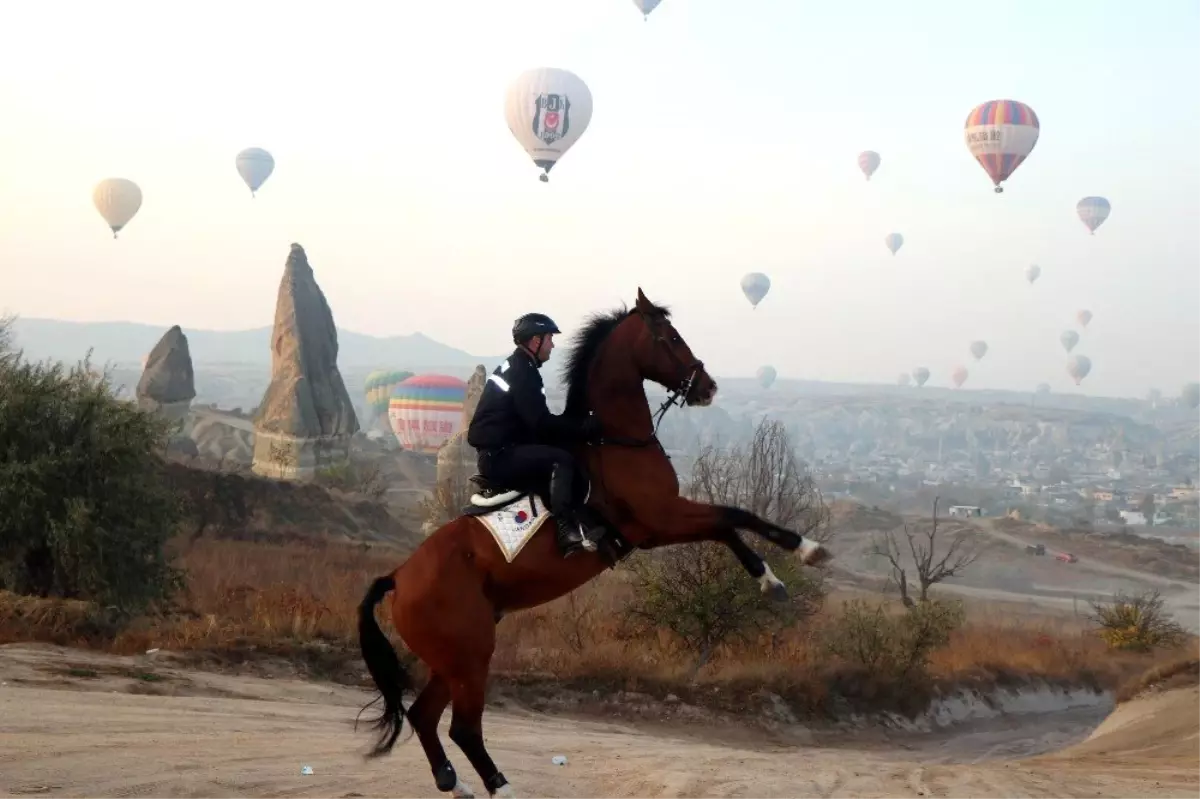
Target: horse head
x,y
661,354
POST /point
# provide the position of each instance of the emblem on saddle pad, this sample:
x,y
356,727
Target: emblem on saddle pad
x,y
514,524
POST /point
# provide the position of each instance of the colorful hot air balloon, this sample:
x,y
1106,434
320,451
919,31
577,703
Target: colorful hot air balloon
x,y
920,375
755,286
1093,211
646,6
893,241
979,349
1032,273
766,376
959,376
1078,367
547,110
1001,134
868,162
379,387
255,165
903,379
1068,338
426,410
1083,317
117,200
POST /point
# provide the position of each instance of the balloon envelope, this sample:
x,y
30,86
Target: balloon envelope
x,y
117,200
1069,339
959,376
1083,317
1032,272
1093,211
547,110
766,376
646,6
755,286
255,165
1078,367
1001,134
979,349
920,374
893,241
426,410
868,162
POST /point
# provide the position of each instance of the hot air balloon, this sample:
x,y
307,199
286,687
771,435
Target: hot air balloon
x,y
1191,395
1078,367
547,110
1093,211
979,349
1069,339
766,376
1043,388
920,375
379,386
1032,273
255,165
868,162
1001,134
1083,317
117,200
755,286
959,376
646,6
903,379
426,410
893,241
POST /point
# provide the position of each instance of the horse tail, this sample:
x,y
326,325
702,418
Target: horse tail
x,y
389,674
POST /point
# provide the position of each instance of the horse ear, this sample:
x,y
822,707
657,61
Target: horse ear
x,y
643,304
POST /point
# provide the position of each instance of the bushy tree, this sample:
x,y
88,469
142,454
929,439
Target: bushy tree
x,y
889,644
1137,622
699,591
85,508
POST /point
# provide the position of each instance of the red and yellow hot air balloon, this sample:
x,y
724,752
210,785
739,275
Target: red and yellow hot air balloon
x,y
1001,134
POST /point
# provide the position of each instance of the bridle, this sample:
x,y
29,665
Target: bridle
x,y
675,396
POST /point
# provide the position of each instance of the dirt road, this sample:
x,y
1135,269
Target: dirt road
x,y
78,724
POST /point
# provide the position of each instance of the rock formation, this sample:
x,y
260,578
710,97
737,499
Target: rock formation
x,y
168,383
456,460
306,419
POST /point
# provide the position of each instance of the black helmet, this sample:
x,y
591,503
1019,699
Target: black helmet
x,y
532,324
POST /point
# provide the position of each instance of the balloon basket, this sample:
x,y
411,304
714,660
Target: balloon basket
x,y
544,178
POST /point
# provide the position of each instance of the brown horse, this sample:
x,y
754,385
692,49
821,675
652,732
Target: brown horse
x,y
449,595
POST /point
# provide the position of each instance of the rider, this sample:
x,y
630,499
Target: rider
x,y
520,442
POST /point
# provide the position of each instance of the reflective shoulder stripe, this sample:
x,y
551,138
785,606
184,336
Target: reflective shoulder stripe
x,y
504,366
499,381
543,391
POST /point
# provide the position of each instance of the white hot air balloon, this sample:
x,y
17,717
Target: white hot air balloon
x,y
547,110
117,200
646,6
979,349
1032,272
1078,367
755,286
766,376
920,375
893,241
1068,338
255,165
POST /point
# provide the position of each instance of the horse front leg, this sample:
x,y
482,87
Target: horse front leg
x,y
755,566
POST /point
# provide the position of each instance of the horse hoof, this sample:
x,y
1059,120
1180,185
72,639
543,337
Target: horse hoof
x,y
777,592
462,791
505,791
813,553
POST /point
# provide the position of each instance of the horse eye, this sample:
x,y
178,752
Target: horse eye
x,y
675,339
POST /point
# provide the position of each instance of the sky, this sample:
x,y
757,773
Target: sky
x,y
724,140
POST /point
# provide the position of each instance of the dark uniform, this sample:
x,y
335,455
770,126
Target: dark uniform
x,y
521,443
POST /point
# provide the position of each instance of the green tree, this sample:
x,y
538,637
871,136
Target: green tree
x,y
85,507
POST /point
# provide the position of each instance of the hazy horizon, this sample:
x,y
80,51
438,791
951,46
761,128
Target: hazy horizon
x,y
723,141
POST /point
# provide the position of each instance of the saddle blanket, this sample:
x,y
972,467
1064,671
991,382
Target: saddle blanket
x,y
513,525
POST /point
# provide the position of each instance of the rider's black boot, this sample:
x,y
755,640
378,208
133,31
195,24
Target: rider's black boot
x,y
571,537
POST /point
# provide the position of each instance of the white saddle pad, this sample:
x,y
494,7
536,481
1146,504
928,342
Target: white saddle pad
x,y
513,525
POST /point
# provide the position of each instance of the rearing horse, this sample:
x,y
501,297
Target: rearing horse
x,y
448,596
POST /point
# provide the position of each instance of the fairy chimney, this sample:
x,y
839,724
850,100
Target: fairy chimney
x,y
306,419
168,382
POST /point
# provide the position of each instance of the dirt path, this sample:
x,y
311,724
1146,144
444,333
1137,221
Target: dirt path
x,y
79,724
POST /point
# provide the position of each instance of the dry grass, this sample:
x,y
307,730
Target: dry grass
x,y
1179,673
248,600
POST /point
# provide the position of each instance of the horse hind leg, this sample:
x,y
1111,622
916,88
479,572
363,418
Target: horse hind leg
x,y
424,716
466,730
811,552
756,567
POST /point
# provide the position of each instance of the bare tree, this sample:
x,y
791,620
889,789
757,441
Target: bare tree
x,y
929,567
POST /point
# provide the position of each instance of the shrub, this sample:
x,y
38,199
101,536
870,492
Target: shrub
x,y
892,645
1137,622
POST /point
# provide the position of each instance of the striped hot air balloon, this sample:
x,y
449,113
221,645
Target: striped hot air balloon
x,y
1001,134
426,410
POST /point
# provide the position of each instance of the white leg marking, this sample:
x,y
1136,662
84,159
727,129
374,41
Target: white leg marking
x,y
505,791
812,552
462,791
768,579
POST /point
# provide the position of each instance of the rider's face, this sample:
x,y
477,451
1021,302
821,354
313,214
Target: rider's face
x,y
542,354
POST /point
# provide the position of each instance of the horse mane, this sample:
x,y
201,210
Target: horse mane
x,y
584,347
